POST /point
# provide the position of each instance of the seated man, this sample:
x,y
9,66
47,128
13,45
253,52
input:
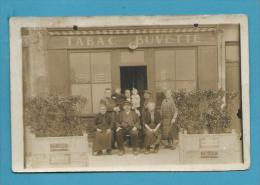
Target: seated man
x,y
103,136
128,125
152,123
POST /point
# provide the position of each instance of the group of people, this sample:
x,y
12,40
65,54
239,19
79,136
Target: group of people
x,y
127,116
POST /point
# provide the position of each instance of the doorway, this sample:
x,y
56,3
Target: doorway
x,y
133,77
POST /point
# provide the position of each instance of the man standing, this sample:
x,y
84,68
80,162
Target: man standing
x,y
147,97
118,97
128,95
108,101
128,125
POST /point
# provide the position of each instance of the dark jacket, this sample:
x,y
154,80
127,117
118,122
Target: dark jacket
x,y
128,120
109,103
119,99
148,120
103,121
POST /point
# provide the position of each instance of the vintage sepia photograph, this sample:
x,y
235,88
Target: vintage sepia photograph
x,y
160,93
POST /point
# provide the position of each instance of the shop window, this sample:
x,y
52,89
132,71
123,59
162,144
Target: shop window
x,y
185,65
208,67
80,68
232,67
100,65
232,52
175,69
185,85
165,65
83,90
164,85
58,72
97,94
90,74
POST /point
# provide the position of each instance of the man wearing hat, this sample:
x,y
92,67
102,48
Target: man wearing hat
x,y
147,97
128,125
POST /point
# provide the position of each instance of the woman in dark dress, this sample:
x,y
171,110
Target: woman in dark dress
x,y
169,114
103,135
152,123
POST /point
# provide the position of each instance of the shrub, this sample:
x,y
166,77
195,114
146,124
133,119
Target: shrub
x,y
54,116
204,111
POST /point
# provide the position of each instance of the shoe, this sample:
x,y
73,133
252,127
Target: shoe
x,y
99,153
146,151
135,152
121,152
109,152
156,149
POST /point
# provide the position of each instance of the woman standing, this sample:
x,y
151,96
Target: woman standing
x,y
169,114
103,136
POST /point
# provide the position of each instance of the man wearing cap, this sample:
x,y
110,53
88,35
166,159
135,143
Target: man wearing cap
x,y
128,125
147,97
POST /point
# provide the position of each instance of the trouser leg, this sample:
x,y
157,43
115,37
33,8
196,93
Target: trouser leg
x,y
113,138
120,138
134,139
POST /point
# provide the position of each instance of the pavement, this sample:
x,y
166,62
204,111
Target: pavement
x,y
164,156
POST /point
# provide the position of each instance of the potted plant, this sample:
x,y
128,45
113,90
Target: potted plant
x,y
55,134
206,134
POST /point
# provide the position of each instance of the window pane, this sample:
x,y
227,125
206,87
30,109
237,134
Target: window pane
x,y
185,65
80,67
58,72
164,65
101,69
185,85
97,94
232,53
83,90
207,67
164,85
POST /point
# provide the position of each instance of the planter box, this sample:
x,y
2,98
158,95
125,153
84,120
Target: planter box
x,y
55,152
210,148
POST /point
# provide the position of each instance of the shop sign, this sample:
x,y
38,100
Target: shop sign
x,y
131,41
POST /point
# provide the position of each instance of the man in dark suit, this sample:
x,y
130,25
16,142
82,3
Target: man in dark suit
x,y
128,124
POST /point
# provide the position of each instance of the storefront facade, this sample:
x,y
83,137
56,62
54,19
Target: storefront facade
x,y
85,61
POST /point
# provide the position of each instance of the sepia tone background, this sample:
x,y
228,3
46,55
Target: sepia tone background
x,y
84,62
96,8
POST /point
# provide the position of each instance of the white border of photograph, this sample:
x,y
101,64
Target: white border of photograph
x,y
16,23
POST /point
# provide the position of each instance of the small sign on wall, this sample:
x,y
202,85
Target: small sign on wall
x,y
100,77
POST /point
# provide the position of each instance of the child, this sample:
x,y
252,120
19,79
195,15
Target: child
x,y
135,101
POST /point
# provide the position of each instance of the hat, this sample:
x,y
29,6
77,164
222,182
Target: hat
x,y
127,103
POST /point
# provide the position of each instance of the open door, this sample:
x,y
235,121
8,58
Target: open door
x,y
134,76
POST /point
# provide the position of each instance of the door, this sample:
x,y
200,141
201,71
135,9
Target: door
x,y
233,84
133,77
